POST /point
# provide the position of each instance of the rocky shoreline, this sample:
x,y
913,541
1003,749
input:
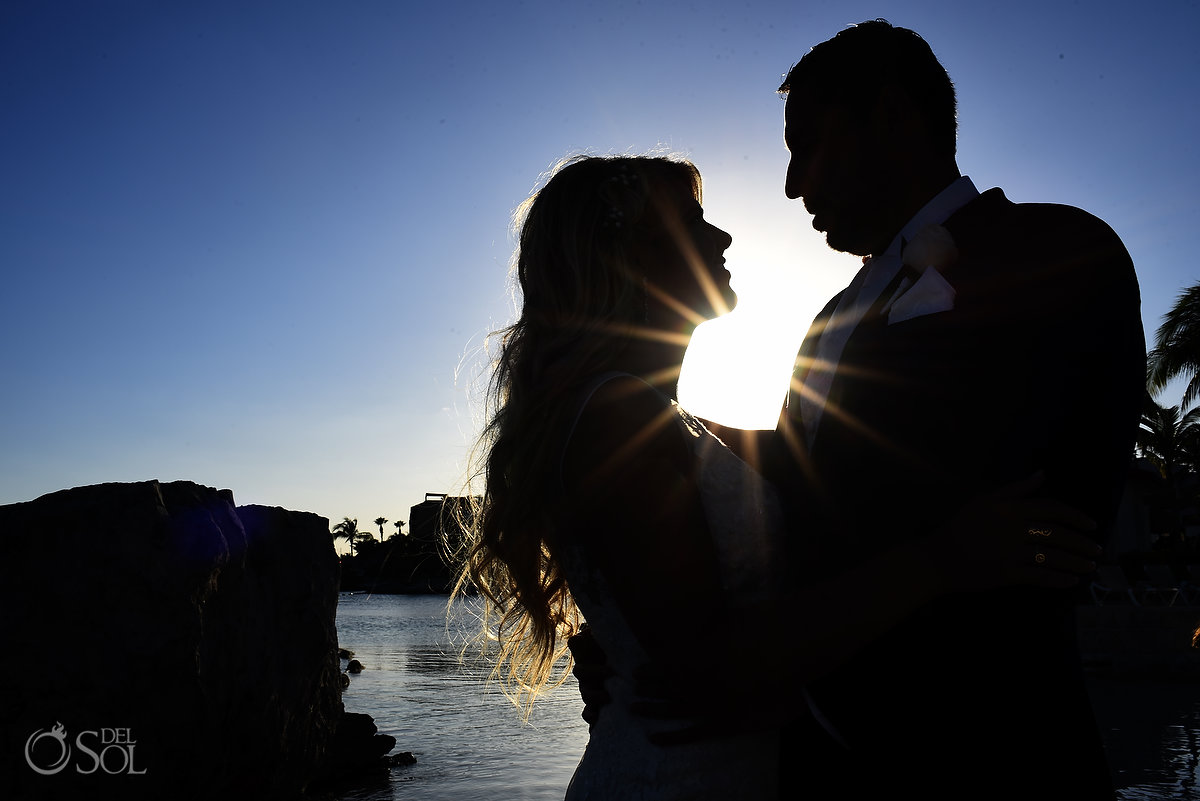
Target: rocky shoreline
x,y
190,646
166,643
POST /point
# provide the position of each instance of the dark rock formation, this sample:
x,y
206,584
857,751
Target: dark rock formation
x,y
185,648
357,752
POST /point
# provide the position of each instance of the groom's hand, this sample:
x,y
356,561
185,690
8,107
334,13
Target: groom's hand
x,y
1012,537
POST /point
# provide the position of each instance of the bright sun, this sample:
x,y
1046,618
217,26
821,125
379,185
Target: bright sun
x,y
737,368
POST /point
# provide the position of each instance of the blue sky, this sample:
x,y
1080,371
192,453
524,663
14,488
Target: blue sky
x,y
259,245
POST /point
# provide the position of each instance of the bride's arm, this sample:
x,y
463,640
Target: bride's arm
x,y
751,445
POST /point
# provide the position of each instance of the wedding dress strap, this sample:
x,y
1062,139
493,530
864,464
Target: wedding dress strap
x,y
585,395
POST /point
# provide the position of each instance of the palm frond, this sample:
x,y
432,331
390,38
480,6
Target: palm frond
x,y
1176,351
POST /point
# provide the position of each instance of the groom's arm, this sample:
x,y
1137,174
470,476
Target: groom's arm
x,y
1090,371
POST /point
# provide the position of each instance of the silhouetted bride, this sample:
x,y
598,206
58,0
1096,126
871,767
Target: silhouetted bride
x,y
604,500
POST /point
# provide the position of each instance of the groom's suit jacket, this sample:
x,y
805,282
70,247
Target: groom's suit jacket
x,y
1040,365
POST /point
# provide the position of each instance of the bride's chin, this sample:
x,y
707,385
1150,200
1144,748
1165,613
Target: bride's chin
x,y
728,303
714,314
731,300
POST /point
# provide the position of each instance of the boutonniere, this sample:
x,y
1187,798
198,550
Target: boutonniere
x,y
933,246
930,252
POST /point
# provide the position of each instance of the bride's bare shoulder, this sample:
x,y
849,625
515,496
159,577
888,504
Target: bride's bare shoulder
x,y
625,425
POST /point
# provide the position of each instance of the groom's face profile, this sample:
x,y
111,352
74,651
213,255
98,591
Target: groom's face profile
x,y
839,169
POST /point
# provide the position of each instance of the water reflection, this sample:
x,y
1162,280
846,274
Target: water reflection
x,y
433,660
1181,750
1152,734
470,742
374,789
1176,775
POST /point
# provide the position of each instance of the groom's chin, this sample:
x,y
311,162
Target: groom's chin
x,y
844,241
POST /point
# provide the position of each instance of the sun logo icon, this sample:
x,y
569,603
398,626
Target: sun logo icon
x,y
57,734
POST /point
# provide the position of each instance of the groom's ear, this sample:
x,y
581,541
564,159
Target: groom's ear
x,y
894,118
885,113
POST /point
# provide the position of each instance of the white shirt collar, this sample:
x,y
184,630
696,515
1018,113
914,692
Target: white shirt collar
x,y
958,194
879,271
866,287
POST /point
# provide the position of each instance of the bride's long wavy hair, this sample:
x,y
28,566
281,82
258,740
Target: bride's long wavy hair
x,y
583,299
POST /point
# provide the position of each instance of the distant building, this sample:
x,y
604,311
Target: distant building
x,y
1134,529
1157,515
425,559
439,519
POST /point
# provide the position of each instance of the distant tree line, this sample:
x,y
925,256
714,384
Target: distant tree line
x,y
420,560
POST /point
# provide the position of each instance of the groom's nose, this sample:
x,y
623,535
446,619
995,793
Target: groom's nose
x,y
793,183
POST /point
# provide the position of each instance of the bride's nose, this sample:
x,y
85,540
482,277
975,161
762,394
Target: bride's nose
x,y
722,238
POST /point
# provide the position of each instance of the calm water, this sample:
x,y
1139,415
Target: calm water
x,y
470,742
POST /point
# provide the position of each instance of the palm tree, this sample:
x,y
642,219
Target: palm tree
x,y
347,530
1169,439
1176,349
365,540
379,521
399,524
1171,442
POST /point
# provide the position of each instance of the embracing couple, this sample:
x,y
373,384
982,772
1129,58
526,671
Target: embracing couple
x,y
876,598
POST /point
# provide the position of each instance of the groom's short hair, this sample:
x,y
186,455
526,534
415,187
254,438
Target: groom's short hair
x,y
851,69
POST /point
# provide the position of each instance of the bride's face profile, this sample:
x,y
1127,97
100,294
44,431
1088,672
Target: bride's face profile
x,y
685,265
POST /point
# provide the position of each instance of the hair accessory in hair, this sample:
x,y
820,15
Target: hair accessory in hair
x,y
619,191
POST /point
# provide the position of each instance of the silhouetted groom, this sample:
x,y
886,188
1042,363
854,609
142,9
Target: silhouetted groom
x,y
982,341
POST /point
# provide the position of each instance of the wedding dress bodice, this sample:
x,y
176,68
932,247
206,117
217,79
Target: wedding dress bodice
x,y
744,520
